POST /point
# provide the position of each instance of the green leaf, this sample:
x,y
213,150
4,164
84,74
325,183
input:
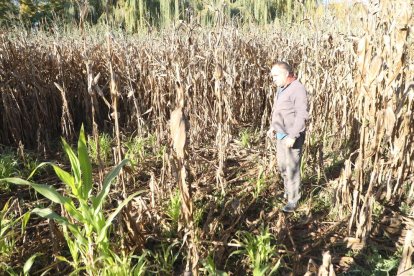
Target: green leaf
x,y
74,162
28,264
103,233
16,180
85,165
5,209
63,259
48,213
66,178
38,167
25,220
99,222
73,212
50,193
45,190
87,213
276,267
97,202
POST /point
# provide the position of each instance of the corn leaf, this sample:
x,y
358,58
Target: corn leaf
x,y
25,220
48,213
66,178
16,180
87,214
35,170
5,208
108,223
71,209
50,193
74,162
28,264
85,165
45,190
97,202
276,266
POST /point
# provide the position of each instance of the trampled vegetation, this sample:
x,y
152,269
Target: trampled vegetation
x,y
172,172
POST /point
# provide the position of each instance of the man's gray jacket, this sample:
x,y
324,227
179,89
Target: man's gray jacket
x,y
290,110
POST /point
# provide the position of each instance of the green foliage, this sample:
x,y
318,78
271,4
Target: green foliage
x,y
385,266
8,11
165,257
140,15
209,267
259,251
140,266
377,210
173,208
405,208
87,230
8,233
105,149
245,138
322,202
28,264
8,167
376,263
259,184
29,164
122,266
198,214
138,148
11,165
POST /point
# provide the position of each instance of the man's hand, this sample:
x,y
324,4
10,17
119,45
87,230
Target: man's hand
x,y
289,142
271,133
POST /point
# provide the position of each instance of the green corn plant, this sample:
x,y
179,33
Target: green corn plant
x,y
259,251
86,228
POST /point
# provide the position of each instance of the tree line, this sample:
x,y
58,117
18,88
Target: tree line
x,y
135,15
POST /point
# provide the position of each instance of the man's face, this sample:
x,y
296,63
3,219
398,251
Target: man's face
x,y
279,76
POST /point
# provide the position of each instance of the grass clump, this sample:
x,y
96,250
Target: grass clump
x,y
9,233
105,149
259,251
138,148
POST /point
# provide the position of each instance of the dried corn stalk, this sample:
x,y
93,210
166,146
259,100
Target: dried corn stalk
x,y
178,130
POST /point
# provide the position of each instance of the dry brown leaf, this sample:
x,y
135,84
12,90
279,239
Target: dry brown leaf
x,y
374,69
389,119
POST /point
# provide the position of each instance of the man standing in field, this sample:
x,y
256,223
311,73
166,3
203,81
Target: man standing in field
x,y
289,115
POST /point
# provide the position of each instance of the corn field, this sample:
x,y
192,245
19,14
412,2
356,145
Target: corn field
x,y
184,112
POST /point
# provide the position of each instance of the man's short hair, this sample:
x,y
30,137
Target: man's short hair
x,y
285,66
